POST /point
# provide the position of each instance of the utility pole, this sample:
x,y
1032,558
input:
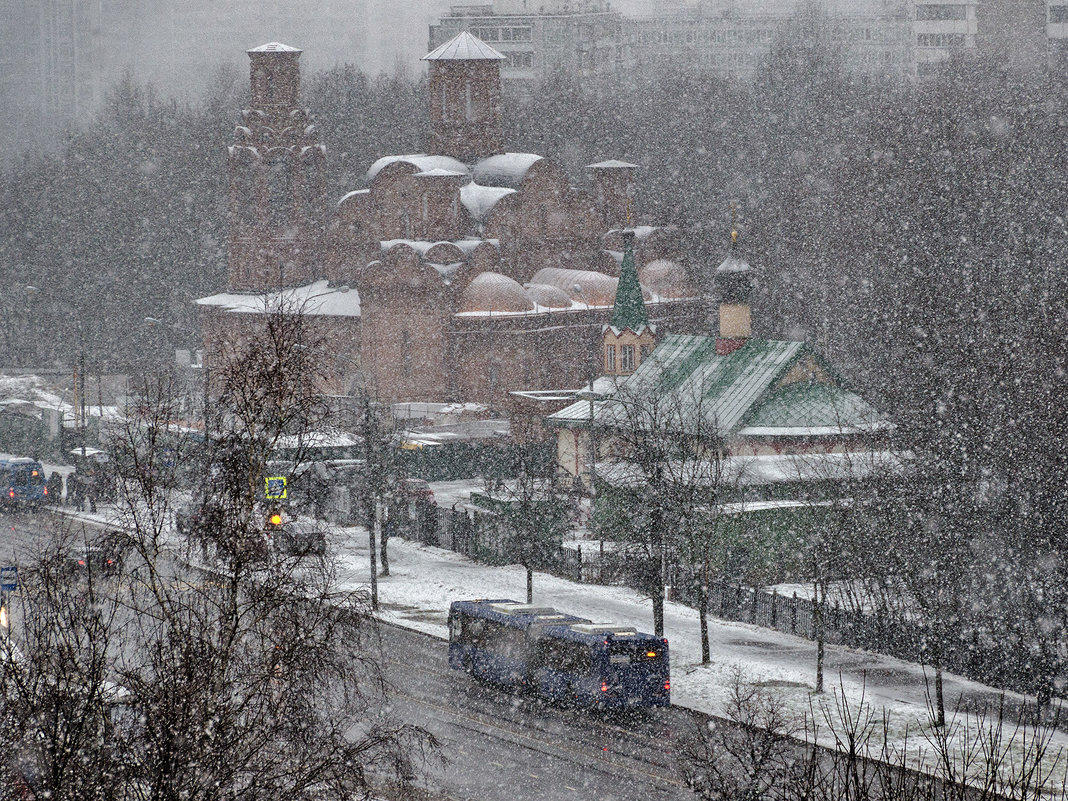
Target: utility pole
x,y
372,509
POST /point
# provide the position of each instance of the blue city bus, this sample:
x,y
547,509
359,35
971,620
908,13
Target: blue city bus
x,y
560,657
22,482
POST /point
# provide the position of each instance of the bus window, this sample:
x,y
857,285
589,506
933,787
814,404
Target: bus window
x,y
569,657
624,653
505,641
472,630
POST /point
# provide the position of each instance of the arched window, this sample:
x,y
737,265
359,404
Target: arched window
x,y
279,190
245,166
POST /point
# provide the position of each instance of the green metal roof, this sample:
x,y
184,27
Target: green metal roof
x,y
629,308
730,392
812,405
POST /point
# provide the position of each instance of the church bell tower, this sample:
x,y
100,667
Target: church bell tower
x,y
277,180
465,99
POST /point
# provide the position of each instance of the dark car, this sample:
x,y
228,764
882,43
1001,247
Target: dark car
x,y
300,538
99,558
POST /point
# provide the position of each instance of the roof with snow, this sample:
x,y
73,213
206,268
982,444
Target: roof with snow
x,y
421,162
274,47
734,264
611,164
504,169
465,46
778,468
747,392
316,299
479,200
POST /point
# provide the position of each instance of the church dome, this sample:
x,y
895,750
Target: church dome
x,y
666,279
493,292
549,296
582,286
734,279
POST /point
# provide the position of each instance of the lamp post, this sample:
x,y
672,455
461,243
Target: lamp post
x,y
79,374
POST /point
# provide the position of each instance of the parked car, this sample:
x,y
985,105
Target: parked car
x,y
416,489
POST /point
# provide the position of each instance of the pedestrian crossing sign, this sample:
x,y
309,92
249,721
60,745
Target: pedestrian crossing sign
x,y
276,488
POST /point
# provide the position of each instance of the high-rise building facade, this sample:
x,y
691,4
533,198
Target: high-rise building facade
x,y
902,39
59,58
581,37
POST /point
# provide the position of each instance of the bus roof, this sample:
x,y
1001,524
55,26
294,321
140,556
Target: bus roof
x,y
515,613
592,633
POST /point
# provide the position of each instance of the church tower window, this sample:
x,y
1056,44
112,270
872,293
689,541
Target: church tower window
x,y
610,358
626,358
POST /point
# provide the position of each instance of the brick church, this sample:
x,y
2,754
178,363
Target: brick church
x,y
459,274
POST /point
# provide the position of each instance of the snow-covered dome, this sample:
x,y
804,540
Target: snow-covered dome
x,y
734,264
667,279
734,279
479,200
549,297
504,170
420,162
583,286
493,292
443,253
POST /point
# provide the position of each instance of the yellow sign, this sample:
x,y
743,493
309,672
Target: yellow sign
x,y
276,488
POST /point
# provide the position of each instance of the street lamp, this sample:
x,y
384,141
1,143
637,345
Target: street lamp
x,y
79,377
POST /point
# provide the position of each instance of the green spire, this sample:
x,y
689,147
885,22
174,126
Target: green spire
x,y
629,310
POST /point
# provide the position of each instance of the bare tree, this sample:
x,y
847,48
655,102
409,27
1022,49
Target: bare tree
x,y
246,677
747,757
671,463
534,512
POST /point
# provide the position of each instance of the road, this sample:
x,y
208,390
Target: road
x,y
512,747
498,745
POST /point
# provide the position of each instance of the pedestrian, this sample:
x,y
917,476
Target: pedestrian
x,y
92,486
75,491
55,488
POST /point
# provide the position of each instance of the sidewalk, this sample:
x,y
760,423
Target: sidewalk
x,y
424,580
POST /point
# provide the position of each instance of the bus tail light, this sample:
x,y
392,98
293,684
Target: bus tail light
x,y
604,686
667,684
11,493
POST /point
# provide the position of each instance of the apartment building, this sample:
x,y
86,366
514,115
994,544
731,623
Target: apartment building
x,y
539,37
59,58
733,37
905,39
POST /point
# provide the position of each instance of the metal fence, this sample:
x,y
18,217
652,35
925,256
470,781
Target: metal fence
x,y
965,651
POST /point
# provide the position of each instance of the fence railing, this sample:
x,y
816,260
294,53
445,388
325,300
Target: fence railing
x,y
966,651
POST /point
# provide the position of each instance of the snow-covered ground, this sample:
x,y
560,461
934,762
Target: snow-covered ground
x,y
424,580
